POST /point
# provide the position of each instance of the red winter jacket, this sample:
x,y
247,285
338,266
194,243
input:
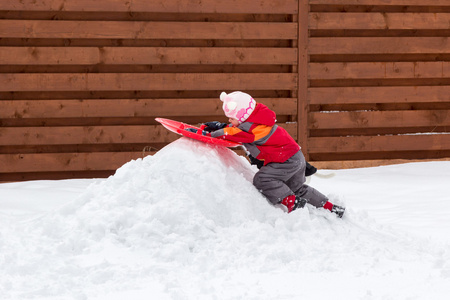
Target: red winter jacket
x,y
262,138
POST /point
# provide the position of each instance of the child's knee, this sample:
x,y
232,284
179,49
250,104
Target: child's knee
x,y
257,181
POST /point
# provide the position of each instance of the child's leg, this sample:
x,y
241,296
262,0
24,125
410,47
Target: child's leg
x,y
297,184
271,179
277,181
314,197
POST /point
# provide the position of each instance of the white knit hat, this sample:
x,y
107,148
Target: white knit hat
x,y
237,105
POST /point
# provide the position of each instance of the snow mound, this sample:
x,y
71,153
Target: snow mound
x,y
187,189
187,223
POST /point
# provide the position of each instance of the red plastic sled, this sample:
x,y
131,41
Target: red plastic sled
x,y
179,128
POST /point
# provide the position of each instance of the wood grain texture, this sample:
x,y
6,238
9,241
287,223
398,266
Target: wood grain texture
x,y
379,119
146,82
379,45
131,108
43,29
383,2
375,70
384,21
414,142
54,162
172,6
145,55
387,94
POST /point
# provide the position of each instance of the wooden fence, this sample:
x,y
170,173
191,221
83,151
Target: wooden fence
x,y
379,79
81,81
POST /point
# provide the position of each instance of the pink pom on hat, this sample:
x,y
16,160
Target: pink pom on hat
x,y
237,105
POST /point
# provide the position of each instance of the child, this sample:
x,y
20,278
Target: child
x,y
281,178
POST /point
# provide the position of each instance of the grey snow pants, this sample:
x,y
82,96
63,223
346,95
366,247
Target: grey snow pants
x,y
279,180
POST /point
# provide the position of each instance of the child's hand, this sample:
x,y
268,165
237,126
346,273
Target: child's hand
x,y
214,125
193,130
254,161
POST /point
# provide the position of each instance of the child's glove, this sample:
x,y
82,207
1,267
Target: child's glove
x,y
203,132
254,161
214,125
310,169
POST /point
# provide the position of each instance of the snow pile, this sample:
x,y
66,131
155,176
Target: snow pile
x,y
187,223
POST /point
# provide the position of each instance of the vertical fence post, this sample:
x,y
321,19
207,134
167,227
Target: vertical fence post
x,y
303,59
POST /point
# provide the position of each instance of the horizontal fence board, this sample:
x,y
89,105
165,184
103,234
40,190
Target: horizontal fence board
x,y
59,42
144,16
379,119
383,2
291,128
146,82
84,135
351,164
367,70
11,177
394,94
369,21
54,162
146,30
69,135
422,142
113,108
154,69
145,55
378,45
173,6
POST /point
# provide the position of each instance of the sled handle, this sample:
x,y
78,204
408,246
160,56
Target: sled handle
x,y
203,126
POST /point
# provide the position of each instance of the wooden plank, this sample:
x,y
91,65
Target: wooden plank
x,y
380,21
146,82
70,135
303,83
84,135
91,108
367,70
13,177
163,6
383,2
385,94
379,119
420,142
379,45
145,55
146,30
350,164
154,69
291,128
55,162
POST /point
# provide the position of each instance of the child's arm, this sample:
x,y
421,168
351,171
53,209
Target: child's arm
x,y
233,134
225,131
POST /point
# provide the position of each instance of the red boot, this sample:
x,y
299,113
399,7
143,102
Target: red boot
x,y
292,202
339,210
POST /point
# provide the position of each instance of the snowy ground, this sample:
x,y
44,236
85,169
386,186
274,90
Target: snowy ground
x,y
187,223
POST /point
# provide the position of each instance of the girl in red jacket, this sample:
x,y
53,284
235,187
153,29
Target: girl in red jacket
x,y
282,177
